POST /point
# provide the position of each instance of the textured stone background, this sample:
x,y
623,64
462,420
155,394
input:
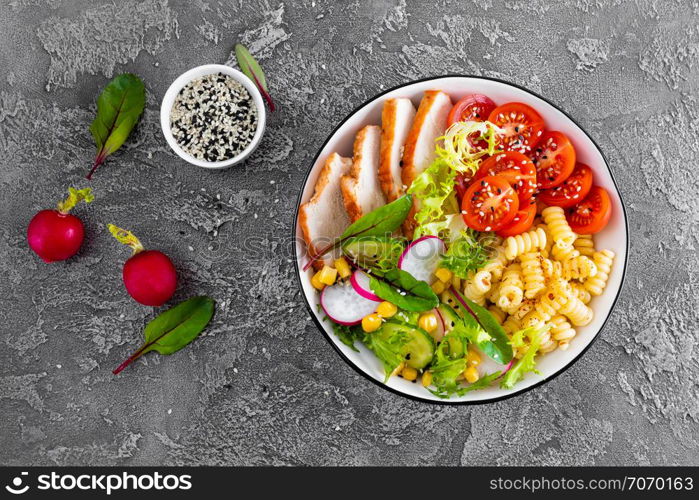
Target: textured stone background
x,y
262,386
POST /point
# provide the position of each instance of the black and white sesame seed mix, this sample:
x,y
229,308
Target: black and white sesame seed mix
x,y
214,118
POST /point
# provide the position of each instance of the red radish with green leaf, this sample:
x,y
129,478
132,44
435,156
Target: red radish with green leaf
x,y
149,276
56,234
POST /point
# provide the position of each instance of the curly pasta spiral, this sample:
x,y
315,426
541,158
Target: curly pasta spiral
x,y
477,287
578,313
534,281
585,245
497,263
524,308
580,267
551,268
525,242
561,331
563,253
553,299
548,344
511,290
603,260
555,219
546,249
511,325
580,292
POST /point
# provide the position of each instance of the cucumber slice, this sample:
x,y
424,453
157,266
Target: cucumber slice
x,y
456,348
448,298
418,350
368,250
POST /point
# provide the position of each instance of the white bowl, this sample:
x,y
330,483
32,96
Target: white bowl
x,y
192,74
613,237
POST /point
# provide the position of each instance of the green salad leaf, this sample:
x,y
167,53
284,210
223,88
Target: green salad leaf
x,y
347,334
251,68
378,253
380,222
388,350
402,289
527,363
174,329
465,254
434,187
497,345
119,107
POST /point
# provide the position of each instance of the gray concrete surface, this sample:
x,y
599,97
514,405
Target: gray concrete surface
x,y
262,386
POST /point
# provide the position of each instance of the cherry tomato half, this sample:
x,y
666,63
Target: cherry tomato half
x,y
554,158
461,183
516,168
592,214
489,204
522,124
573,189
522,221
474,107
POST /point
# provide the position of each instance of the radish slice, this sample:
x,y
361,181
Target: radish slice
x,y
344,305
421,258
441,327
360,282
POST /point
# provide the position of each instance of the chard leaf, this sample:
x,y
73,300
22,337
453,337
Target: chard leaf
x,y
251,68
119,107
174,329
402,289
497,346
380,222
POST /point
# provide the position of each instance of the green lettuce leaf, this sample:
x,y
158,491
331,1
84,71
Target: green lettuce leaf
x,y
527,363
387,350
465,254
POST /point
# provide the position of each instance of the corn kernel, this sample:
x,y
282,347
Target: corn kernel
x,y
427,379
444,275
471,374
327,275
438,287
315,281
409,373
427,322
386,309
342,267
473,358
398,369
456,282
371,322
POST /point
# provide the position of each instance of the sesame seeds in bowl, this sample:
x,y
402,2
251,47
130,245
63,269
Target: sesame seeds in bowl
x,y
213,116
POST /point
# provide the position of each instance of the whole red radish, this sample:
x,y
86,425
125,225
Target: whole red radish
x,y
149,276
56,234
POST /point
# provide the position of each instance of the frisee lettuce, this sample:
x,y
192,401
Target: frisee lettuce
x,y
434,187
387,350
465,254
526,363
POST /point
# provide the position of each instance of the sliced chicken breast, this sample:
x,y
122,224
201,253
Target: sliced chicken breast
x,y
361,190
396,121
429,124
323,217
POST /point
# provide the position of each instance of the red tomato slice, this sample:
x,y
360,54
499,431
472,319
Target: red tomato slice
x,y
474,107
489,204
573,189
516,168
522,124
554,158
522,221
592,214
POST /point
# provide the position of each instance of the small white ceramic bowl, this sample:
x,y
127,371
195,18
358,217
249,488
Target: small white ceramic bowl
x,y
192,74
614,237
